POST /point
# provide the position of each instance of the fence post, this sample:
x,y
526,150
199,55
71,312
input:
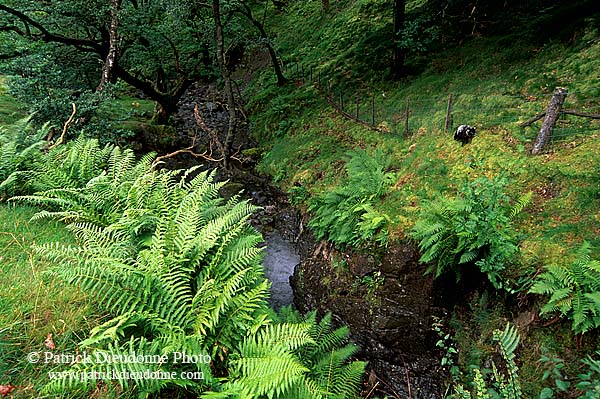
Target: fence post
x,y
448,123
552,113
373,109
406,112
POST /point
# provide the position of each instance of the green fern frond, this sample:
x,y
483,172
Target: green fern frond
x,y
508,340
573,291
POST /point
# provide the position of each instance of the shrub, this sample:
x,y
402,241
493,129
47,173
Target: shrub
x,y
20,148
346,215
574,291
474,227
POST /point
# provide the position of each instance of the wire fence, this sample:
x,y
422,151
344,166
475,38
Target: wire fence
x,y
387,113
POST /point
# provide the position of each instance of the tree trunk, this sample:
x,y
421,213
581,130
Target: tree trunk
x,y
111,57
281,80
219,39
162,112
399,53
552,113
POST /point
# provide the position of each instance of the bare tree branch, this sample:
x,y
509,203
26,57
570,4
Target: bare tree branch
x,y
61,139
47,36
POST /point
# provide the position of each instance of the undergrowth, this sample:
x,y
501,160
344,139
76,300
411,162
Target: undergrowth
x,y
496,83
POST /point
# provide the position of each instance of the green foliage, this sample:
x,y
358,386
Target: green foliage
x,y
508,340
574,291
189,281
20,148
48,78
178,269
474,227
296,358
346,215
504,387
71,165
448,348
418,34
554,371
83,182
589,382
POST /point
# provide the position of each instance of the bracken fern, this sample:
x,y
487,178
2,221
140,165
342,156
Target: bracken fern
x,y
475,227
298,358
346,215
194,285
574,291
20,148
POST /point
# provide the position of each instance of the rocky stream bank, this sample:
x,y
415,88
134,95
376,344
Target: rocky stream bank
x,y
384,298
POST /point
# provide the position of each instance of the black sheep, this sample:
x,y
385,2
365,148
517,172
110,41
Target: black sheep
x,y
465,134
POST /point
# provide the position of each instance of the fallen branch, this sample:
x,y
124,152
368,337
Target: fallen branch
x,y
214,136
61,139
582,114
206,155
539,116
530,121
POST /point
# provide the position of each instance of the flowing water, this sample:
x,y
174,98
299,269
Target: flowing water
x,y
391,325
280,261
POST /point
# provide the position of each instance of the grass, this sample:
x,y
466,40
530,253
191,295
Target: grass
x,y
10,109
32,304
496,83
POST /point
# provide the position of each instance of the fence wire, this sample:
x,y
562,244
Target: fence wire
x,y
438,114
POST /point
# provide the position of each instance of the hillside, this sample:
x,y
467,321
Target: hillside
x,y
425,265
496,82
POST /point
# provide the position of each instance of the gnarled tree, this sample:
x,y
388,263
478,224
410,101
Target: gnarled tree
x,y
152,46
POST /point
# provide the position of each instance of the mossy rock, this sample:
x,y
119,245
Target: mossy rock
x,y
156,137
254,153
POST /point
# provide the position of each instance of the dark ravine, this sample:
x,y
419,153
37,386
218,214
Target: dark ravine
x,y
388,305
385,299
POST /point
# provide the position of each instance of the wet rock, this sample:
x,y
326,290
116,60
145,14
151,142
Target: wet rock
x,y
389,309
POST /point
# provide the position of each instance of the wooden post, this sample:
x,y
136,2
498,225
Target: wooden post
x,y
297,72
373,109
406,112
448,123
302,73
552,113
311,75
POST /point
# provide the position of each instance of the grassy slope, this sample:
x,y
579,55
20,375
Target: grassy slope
x,y
10,109
32,304
497,83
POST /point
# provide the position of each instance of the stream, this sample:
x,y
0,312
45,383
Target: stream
x,y
280,260
391,325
